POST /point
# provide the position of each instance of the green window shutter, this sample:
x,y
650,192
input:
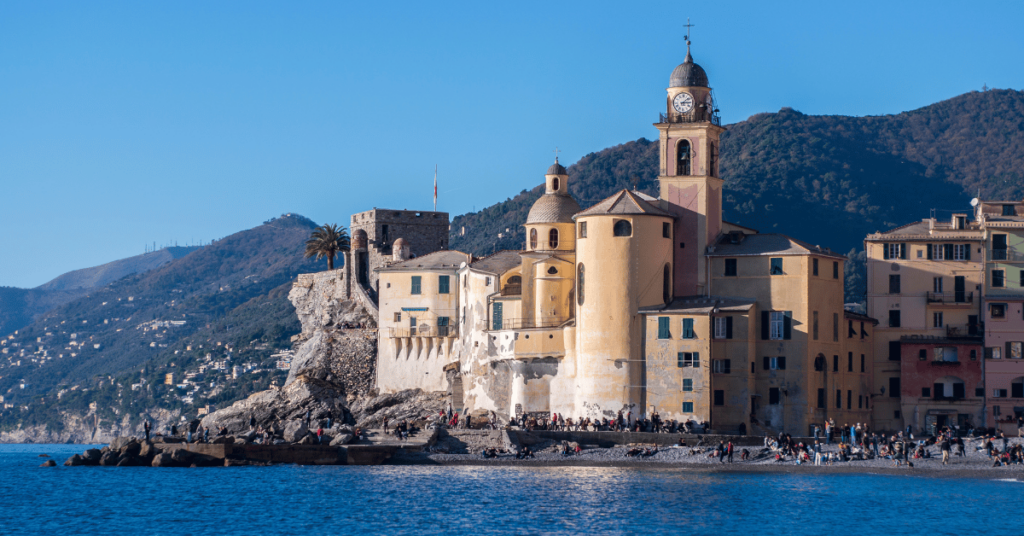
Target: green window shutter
x,y
679,360
416,287
967,252
728,366
903,251
885,251
688,328
728,327
787,325
928,249
781,360
947,251
696,360
765,326
663,331
497,320
442,284
767,362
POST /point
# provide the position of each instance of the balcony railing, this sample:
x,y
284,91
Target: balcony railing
x,y
432,331
557,245
1008,255
697,115
531,323
951,298
512,290
968,330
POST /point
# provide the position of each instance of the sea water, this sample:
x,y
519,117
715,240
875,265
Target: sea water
x,y
485,500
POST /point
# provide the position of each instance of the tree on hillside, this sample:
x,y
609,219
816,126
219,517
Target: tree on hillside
x,y
327,241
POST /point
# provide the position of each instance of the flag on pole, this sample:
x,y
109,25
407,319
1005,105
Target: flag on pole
x,y
435,187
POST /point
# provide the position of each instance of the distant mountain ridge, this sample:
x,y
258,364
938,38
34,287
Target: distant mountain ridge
x,y
826,180
104,274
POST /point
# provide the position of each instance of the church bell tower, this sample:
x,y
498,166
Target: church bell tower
x,y
690,187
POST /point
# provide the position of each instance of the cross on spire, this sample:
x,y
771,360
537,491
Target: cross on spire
x,y
557,150
688,30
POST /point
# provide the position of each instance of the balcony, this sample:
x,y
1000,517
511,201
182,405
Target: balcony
x,y
951,298
697,115
1008,255
435,331
962,331
532,323
512,290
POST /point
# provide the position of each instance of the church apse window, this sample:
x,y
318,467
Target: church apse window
x,y
623,228
553,239
683,158
579,284
554,184
533,239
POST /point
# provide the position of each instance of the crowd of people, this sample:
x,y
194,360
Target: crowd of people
x,y
623,422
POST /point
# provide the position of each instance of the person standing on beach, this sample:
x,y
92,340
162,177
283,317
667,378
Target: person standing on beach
x,y
816,430
729,449
828,432
817,451
721,452
944,447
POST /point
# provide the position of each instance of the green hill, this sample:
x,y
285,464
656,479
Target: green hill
x,y
827,180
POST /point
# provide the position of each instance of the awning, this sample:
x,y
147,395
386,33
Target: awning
x,y
414,309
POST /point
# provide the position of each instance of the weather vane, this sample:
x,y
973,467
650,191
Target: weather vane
x,y
557,150
688,31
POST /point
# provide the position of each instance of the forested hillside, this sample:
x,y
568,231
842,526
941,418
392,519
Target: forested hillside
x,y
827,180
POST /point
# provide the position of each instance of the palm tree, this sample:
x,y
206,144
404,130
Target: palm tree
x,y
327,241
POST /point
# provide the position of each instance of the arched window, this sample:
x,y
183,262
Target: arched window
x,y
712,160
554,184
623,228
666,284
683,158
819,363
579,284
533,239
552,270
553,239
514,280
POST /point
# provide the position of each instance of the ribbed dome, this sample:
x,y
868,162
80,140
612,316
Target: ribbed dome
x,y
553,208
557,169
401,242
688,74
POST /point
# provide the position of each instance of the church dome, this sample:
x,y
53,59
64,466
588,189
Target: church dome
x,y
553,208
688,74
557,169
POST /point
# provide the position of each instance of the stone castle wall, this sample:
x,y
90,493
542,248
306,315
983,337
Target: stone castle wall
x,y
426,232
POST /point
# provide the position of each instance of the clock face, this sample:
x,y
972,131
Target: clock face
x,y
682,103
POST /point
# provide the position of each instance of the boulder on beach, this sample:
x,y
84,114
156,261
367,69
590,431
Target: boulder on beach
x,y
109,459
342,439
75,461
163,459
295,430
92,456
48,463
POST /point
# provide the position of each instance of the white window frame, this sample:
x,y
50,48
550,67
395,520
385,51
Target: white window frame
x,y
720,327
688,359
938,252
894,251
960,252
996,393
937,285
718,366
773,363
937,320
776,321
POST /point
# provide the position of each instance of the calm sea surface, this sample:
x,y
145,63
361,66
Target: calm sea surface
x,y
483,500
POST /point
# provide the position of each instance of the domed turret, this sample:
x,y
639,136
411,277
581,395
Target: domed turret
x,y
556,205
688,74
400,250
359,239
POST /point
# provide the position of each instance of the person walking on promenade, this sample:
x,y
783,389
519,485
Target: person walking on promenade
x,y
828,432
944,447
817,452
816,430
721,452
729,449
960,447
320,435
853,433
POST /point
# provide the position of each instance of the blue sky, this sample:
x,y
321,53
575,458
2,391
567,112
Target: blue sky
x,y
125,123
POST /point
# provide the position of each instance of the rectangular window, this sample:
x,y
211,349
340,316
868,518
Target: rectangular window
x,y
937,320
849,362
850,332
1014,349
775,363
722,366
687,385
937,285
962,252
894,318
999,393
442,326
814,325
1021,279
999,247
835,269
894,387
723,327
839,399
666,229
1017,390
687,407
416,289
894,284
894,350
730,267
998,278
997,310
688,359
773,396
862,362
821,398
938,252
860,401
776,325
849,399
719,397
835,327
1008,210
583,229
776,266
926,392
922,354
835,363
398,317
663,328
894,251
497,320
688,329
814,266
443,284
997,411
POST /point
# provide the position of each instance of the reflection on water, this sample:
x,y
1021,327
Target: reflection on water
x,y
479,500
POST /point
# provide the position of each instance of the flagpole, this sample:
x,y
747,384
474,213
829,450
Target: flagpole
x,y
435,187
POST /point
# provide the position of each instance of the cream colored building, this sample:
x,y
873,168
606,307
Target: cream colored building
x,y
636,304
